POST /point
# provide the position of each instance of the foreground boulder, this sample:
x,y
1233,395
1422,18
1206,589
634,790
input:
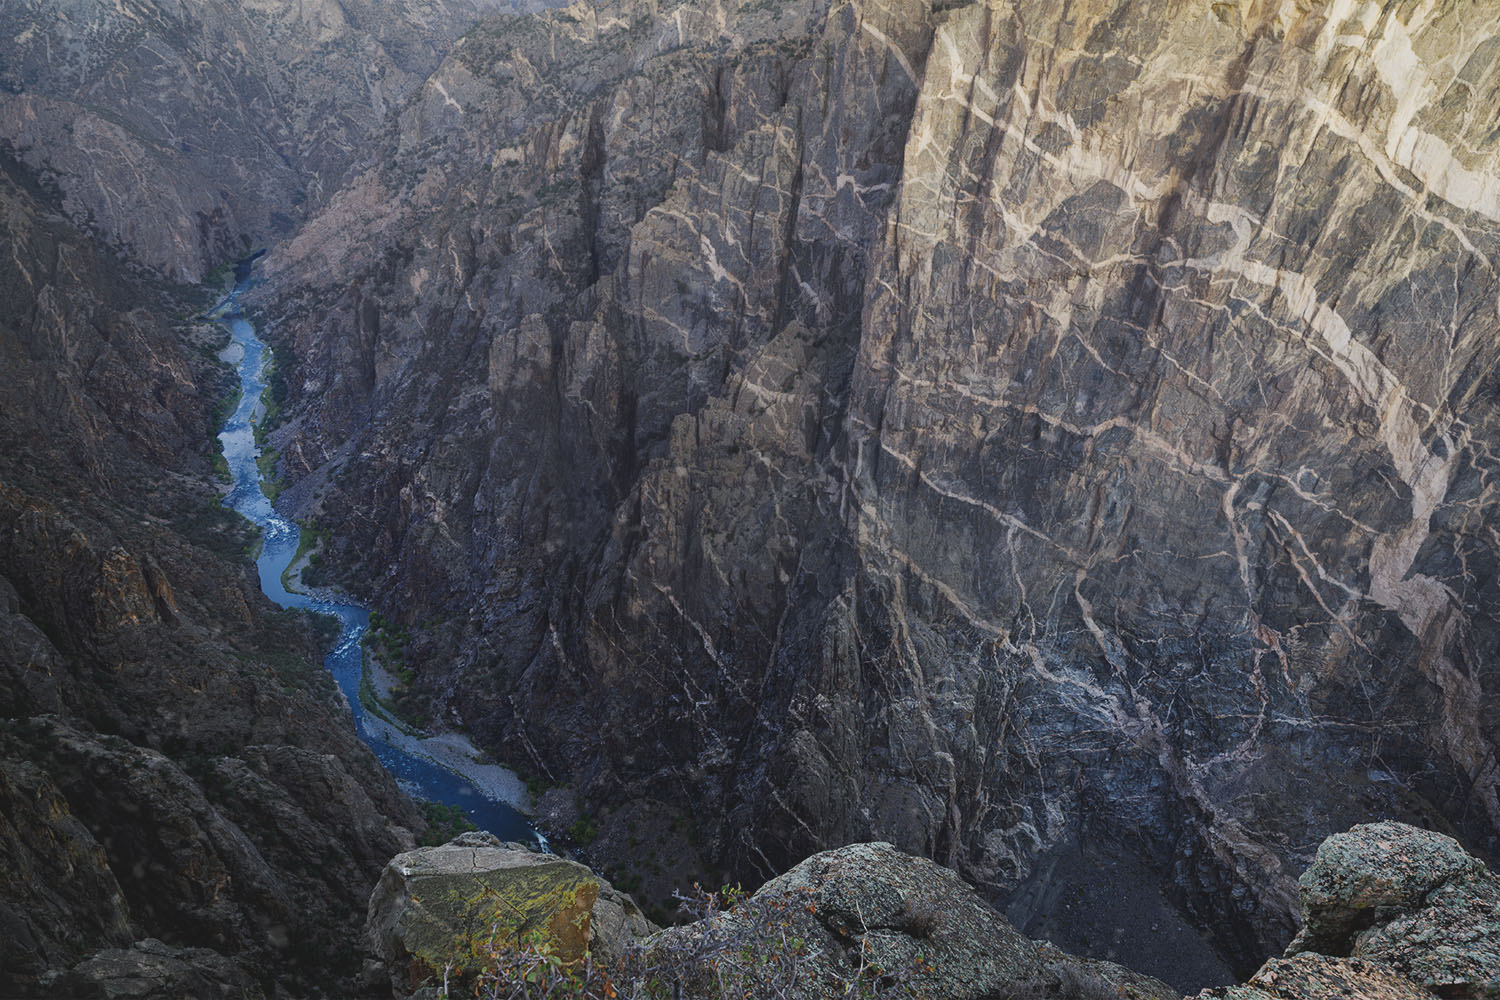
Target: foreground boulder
x,y
1389,911
1318,977
870,904
441,906
1407,899
1367,875
923,930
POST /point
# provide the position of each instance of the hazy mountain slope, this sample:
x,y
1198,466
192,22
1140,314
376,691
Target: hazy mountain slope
x,y
186,131
977,427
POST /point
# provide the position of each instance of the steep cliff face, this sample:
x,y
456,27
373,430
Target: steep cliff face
x,y
980,426
185,132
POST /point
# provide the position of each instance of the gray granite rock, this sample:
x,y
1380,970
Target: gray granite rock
x,y
977,427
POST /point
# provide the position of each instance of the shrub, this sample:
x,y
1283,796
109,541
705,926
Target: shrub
x,y
444,822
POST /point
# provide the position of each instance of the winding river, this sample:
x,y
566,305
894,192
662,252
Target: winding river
x,y
417,774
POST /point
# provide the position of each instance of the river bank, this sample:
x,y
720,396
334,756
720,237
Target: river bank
x,y
442,767
446,748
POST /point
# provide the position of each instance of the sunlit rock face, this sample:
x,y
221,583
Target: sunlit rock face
x,y
975,427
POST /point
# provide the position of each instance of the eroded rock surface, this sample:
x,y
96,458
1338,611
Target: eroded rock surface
x,y
182,132
152,970
1412,901
967,424
1388,910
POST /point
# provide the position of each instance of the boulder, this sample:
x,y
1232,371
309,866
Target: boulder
x,y
1319,977
1368,873
859,908
1451,945
441,907
1074,976
1409,899
1390,912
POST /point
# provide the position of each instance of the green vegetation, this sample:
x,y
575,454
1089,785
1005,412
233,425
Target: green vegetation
x,y
376,706
624,880
310,538
217,417
270,484
444,822
219,276
218,529
536,785
273,399
298,673
584,831
387,643
291,629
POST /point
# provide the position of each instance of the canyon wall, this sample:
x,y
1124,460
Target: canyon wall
x,y
989,427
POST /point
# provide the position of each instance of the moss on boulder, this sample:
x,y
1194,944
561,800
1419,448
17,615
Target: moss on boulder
x,y
440,905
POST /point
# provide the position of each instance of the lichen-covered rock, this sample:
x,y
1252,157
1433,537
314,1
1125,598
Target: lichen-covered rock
x,y
439,905
616,921
1389,911
872,903
1451,944
1370,872
1319,977
1409,899
1076,976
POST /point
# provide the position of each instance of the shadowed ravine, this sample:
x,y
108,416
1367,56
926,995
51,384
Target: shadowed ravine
x,y
281,539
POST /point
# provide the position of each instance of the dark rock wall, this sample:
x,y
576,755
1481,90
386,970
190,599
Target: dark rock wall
x,y
969,427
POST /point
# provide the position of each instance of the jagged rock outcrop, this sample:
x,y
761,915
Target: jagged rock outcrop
x,y
1389,911
151,970
977,425
1314,977
869,903
1407,899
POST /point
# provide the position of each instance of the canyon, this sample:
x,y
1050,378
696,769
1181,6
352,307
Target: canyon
x,y
999,430
179,786
1053,438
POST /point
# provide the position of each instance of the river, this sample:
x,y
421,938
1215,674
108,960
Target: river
x,y
419,775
